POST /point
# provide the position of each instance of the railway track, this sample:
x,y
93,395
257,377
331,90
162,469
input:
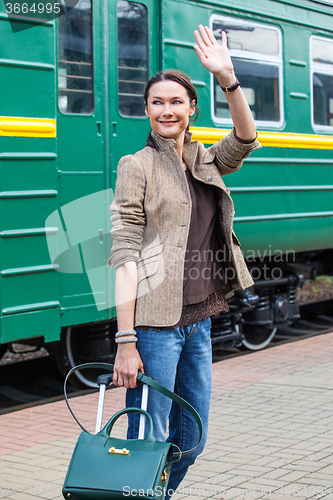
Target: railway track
x,y
32,382
37,380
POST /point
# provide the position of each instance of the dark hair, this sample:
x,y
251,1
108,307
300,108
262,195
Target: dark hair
x,y
176,76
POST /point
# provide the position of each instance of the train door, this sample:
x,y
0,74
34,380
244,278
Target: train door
x,y
134,53
81,170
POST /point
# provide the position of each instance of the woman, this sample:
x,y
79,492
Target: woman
x,y
176,257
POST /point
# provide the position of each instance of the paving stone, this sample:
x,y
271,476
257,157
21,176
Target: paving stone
x,y
41,489
219,479
4,493
17,481
236,480
252,470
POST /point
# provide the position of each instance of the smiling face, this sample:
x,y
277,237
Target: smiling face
x,y
169,108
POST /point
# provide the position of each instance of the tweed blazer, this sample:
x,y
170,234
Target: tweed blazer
x,y
151,215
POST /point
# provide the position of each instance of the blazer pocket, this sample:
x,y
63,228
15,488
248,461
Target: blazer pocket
x,y
147,253
147,269
236,240
149,261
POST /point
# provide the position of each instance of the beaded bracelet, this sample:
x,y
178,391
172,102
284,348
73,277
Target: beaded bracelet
x,y
126,340
125,333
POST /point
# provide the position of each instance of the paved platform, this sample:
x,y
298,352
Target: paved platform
x,y
271,431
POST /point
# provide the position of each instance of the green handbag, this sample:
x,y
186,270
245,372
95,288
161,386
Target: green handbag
x,y
103,467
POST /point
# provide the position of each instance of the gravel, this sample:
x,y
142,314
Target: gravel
x,y
319,289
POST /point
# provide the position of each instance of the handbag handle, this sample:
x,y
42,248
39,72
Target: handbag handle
x,y
146,380
106,431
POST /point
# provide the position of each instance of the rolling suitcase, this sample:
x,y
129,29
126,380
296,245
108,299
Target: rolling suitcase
x,y
107,468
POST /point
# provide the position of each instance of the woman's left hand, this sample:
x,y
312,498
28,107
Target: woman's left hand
x,y
213,56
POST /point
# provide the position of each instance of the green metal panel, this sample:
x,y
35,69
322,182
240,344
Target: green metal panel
x,y
297,89
274,238
29,296
44,322
27,70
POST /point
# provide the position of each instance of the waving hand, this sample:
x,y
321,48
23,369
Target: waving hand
x,y
213,56
216,59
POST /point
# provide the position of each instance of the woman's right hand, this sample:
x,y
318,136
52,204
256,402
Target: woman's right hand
x,y
127,365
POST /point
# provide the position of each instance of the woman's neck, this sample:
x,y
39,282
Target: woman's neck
x,y
179,145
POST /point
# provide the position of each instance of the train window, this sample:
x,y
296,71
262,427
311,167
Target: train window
x,y
75,68
256,52
322,82
132,57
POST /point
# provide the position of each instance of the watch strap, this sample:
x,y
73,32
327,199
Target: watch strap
x,y
233,87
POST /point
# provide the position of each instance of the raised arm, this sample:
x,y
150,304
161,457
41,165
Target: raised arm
x,y
216,59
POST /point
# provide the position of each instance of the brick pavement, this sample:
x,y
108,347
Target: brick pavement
x,y
270,437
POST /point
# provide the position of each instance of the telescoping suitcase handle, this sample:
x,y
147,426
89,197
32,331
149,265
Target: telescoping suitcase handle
x,y
103,381
145,380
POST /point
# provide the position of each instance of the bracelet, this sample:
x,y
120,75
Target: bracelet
x,y
126,340
125,333
232,87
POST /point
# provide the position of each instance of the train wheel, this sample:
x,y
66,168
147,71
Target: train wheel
x,y
257,337
94,343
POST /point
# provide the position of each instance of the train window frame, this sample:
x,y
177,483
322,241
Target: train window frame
x,y
269,60
92,111
147,49
323,2
323,69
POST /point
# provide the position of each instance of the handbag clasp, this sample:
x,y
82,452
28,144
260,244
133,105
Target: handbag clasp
x,y
123,451
164,476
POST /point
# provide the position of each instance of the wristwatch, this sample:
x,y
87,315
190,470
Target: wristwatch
x,y
232,87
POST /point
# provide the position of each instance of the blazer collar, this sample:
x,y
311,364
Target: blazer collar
x,y
165,144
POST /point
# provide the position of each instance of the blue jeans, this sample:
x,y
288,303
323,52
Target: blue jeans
x,y
181,360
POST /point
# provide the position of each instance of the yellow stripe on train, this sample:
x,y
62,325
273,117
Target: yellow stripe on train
x,y
13,126
268,139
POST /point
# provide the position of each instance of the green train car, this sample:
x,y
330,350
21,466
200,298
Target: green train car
x,y
71,106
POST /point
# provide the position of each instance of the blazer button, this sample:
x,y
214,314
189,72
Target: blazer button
x,y
183,225
209,178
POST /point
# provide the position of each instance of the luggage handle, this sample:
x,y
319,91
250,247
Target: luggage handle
x,y
106,431
102,381
144,404
105,380
146,380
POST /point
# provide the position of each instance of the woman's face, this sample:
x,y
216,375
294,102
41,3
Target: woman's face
x,y
169,108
